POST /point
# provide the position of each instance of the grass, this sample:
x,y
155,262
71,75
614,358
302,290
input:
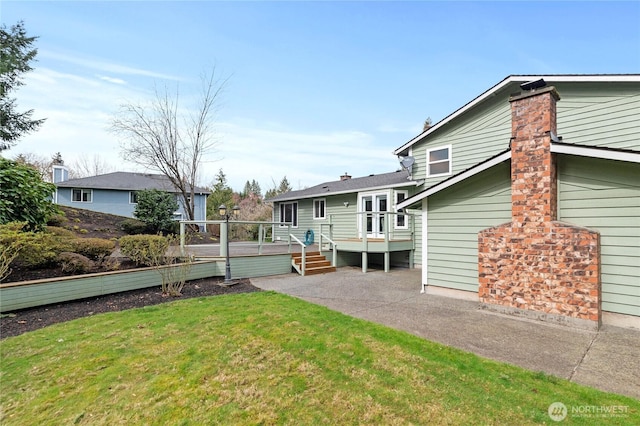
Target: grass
x,y
266,358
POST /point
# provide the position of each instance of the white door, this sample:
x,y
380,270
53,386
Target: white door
x,y
374,206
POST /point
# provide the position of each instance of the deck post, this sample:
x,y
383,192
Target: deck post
x,y
224,236
386,261
260,238
182,239
365,262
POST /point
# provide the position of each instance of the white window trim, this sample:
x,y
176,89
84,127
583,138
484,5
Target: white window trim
x,y
131,193
82,191
395,204
280,214
438,148
324,210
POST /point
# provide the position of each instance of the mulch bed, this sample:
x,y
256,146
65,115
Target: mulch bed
x,y
16,323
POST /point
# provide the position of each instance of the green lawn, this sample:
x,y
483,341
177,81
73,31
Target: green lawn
x,y
266,358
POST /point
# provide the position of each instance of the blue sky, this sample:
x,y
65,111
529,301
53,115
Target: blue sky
x,y
316,89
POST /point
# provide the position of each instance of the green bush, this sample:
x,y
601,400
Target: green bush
x,y
25,196
57,219
133,226
61,232
93,248
145,250
155,208
74,263
37,249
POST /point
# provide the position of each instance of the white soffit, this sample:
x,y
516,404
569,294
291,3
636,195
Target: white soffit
x,y
595,152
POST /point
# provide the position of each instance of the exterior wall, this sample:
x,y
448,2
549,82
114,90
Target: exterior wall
x,y
117,202
455,216
105,201
589,114
474,138
604,195
600,114
535,263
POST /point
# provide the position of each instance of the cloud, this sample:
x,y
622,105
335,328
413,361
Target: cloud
x,y
111,79
104,66
79,110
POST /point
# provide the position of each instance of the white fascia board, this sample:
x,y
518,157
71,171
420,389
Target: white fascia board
x,y
523,79
454,180
594,152
352,191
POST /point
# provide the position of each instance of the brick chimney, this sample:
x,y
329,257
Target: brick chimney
x,y
535,266
345,176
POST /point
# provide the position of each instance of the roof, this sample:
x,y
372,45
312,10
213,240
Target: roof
x,y
385,180
519,79
126,181
605,153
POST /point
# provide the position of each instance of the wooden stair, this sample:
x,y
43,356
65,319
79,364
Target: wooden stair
x,y
316,263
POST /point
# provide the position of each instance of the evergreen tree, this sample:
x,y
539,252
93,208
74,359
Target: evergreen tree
x,y
221,193
155,208
17,52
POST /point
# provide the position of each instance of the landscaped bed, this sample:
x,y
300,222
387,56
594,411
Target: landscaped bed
x,y
16,323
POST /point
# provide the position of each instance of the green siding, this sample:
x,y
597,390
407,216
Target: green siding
x,y
590,114
600,114
604,195
455,216
478,135
345,219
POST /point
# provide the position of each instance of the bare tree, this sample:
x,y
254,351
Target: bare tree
x,y
86,166
39,162
158,137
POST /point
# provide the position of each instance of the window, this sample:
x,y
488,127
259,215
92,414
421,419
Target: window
x,y
81,195
133,197
401,220
439,161
289,214
319,209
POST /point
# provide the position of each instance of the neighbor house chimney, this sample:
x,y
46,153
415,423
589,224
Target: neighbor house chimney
x,y
345,176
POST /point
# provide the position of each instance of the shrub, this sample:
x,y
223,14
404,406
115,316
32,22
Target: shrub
x,y
74,262
93,248
145,250
7,254
155,208
61,232
37,249
57,219
25,196
133,226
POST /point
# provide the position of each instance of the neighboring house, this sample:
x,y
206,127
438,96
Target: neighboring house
x,y
533,208
359,214
115,193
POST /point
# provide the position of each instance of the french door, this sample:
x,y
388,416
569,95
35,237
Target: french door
x,y
374,207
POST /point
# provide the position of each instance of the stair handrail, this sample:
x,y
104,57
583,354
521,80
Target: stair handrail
x,y
334,249
304,253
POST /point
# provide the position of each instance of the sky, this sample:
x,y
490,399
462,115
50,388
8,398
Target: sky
x,y
314,89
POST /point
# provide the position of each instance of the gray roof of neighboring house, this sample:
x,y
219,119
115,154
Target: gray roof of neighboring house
x,y
385,180
126,181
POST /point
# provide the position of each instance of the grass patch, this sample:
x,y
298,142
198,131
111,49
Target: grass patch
x,y
266,358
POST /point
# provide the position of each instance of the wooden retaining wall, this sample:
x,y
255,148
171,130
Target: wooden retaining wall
x,y
27,294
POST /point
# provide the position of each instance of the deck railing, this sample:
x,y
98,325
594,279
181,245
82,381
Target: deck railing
x,y
264,230
387,226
